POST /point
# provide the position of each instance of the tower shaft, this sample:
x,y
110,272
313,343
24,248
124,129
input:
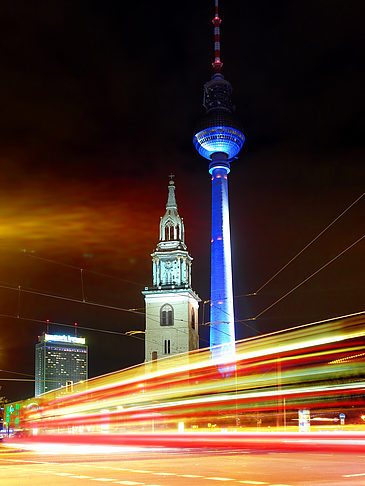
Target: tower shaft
x,y
222,333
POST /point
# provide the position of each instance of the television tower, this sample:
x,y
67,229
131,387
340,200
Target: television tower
x,y
219,139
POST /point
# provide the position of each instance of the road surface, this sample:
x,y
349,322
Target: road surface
x,y
77,466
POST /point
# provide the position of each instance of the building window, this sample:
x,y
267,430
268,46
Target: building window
x,y
167,346
169,230
167,315
193,319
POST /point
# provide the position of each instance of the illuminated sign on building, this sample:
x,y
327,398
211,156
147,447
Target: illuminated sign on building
x,y
64,339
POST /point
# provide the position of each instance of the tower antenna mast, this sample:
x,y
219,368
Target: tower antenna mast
x,y
217,64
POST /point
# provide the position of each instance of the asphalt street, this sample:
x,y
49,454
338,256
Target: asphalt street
x,y
66,466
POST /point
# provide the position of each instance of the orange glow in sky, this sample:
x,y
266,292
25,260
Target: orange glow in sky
x,y
99,221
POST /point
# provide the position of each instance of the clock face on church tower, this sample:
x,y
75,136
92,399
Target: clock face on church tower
x,y
168,273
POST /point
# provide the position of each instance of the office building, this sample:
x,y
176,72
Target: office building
x,y
60,360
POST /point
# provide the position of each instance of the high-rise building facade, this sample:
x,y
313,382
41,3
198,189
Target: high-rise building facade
x,y
219,139
171,304
60,360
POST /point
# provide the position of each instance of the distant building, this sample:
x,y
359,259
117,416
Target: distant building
x,y
171,304
60,360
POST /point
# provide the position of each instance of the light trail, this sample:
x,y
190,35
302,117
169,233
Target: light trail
x,y
275,376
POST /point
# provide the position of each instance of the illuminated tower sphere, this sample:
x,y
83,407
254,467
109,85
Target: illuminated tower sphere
x,y
219,140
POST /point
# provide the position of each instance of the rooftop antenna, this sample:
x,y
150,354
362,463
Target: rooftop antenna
x,y
217,64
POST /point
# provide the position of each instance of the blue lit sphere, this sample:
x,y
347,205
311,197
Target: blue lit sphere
x,y
226,139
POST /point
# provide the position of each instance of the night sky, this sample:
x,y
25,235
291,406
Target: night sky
x,y
99,101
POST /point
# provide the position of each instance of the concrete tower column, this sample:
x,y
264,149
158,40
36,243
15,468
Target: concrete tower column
x,y
222,331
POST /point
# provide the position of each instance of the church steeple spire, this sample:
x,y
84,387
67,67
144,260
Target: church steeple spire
x,y
171,201
172,232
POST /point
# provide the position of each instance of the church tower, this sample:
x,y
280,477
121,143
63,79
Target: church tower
x,y
171,304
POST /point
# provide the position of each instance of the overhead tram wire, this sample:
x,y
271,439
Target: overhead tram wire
x,y
33,379
105,331
301,283
289,262
15,373
30,290
21,289
206,301
310,276
79,269
68,299
308,324
308,245
135,311
84,299
256,292
101,274
62,324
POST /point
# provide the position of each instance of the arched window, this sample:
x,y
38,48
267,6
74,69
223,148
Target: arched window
x,y
169,230
167,315
193,319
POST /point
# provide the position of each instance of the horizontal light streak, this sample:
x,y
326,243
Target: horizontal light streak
x,y
241,354
304,368
210,387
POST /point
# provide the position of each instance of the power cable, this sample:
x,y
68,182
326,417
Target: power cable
x,y
55,262
309,244
106,331
15,373
21,289
299,253
309,277
236,296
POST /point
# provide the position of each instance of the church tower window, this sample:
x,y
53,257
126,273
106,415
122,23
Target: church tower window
x,y
167,315
167,346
